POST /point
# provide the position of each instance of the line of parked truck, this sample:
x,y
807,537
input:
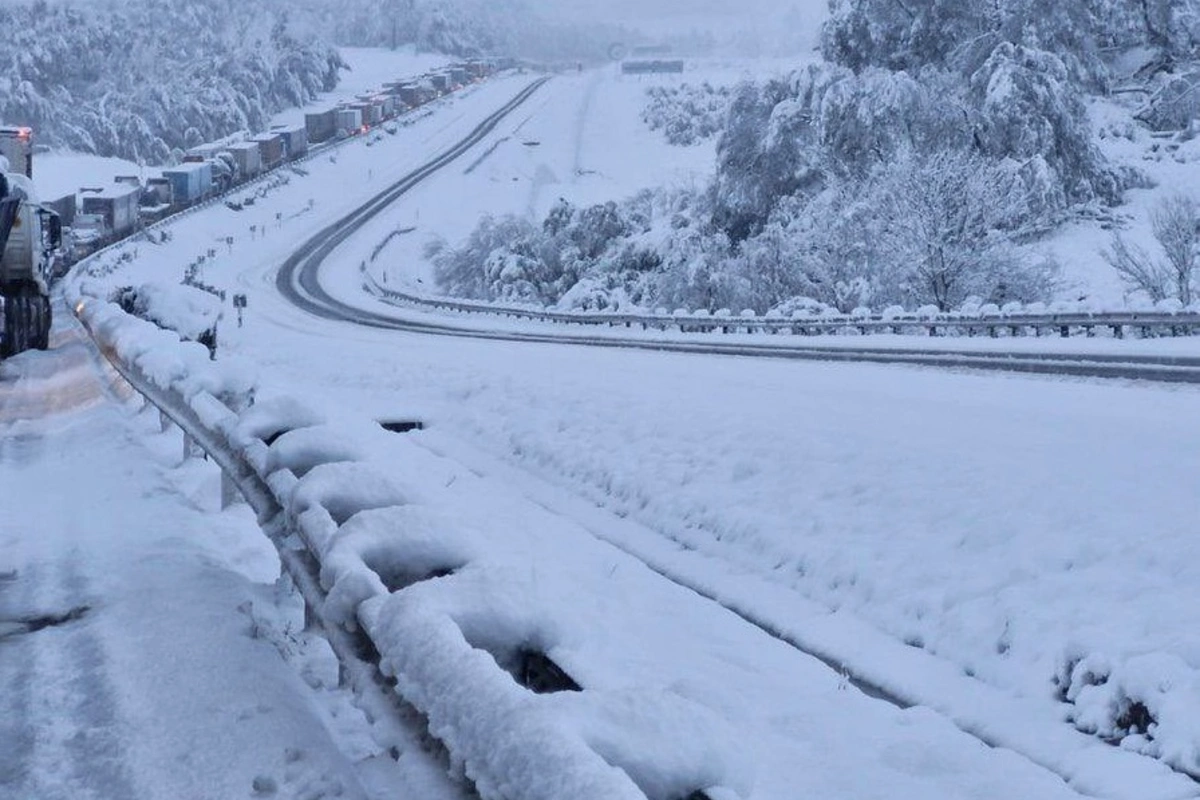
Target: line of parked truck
x,y
97,216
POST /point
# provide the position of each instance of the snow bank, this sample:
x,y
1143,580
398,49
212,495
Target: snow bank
x,y
505,739
169,363
188,311
509,744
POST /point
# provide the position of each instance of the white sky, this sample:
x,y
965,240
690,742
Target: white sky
x,y
722,17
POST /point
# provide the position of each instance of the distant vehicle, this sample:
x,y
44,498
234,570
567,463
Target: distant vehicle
x,y
658,66
104,215
30,237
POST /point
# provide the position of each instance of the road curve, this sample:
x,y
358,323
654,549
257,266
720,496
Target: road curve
x,y
298,280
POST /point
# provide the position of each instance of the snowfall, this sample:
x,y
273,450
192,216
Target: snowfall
x,y
774,579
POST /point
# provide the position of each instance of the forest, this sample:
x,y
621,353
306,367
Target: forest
x,y
146,79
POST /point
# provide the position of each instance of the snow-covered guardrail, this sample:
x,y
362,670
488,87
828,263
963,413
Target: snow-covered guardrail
x,y
1063,320
357,545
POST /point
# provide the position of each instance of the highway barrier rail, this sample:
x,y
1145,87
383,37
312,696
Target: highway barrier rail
x,y
984,322
306,480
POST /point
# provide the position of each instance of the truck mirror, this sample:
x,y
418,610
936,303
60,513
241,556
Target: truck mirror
x,y
55,229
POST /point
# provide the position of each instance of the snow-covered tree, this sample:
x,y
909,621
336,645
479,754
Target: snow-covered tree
x,y
1175,222
1028,109
946,225
766,152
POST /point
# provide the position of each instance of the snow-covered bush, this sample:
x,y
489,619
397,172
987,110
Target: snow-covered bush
x,y
1175,104
1176,225
947,219
767,151
687,114
191,313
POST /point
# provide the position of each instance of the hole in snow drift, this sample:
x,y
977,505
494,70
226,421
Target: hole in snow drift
x,y
397,577
1135,718
402,425
537,673
272,437
530,667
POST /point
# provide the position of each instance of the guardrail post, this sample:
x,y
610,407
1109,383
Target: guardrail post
x,y
164,422
230,496
190,448
1118,331
1064,331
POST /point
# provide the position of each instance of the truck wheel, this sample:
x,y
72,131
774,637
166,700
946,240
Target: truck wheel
x,y
14,324
10,327
25,318
42,340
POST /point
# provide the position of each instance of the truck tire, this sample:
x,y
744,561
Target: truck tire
x,y
41,340
9,338
21,344
14,324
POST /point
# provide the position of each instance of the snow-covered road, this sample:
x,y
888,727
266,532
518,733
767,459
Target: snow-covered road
x,y
1004,530
144,649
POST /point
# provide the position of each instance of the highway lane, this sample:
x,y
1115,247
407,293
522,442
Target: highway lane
x,y
299,282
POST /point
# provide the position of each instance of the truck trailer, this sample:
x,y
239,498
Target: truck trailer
x,y
321,125
117,205
349,121
190,182
16,144
295,142
30,238
247,157
270,149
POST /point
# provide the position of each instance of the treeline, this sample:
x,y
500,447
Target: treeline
x,y
905,170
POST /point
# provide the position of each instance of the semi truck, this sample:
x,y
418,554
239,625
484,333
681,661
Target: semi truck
x,y
30,237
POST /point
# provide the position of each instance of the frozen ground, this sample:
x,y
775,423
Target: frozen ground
x,y
144,649
1005,526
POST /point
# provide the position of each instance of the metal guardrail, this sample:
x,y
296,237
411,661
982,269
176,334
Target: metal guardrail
x,y
212,425
1063,324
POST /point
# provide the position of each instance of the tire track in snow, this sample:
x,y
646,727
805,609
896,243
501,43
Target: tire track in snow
x,y
593,517
63,737
69,377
